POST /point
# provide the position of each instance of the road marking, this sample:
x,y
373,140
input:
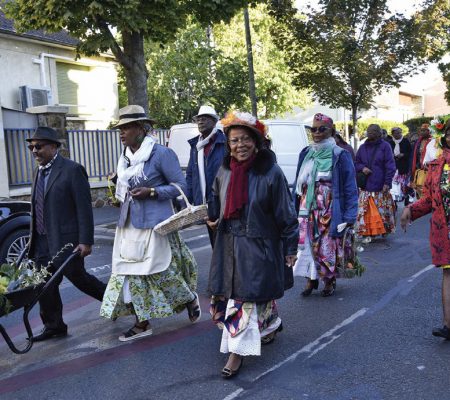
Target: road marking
x,y
197,249
329,337
422,271
313,348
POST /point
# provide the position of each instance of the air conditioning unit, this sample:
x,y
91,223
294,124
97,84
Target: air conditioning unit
x,y
33,97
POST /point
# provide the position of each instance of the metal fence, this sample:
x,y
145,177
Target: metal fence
x,y
97,150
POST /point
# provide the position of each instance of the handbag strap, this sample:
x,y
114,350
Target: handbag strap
x,y
182,194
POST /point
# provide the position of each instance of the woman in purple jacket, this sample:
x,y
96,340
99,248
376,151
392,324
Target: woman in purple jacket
x,y
376,208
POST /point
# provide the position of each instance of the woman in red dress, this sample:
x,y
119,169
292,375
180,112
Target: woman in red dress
x,y
436,199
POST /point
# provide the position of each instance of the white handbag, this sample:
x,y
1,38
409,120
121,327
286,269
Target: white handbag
x,y
186,217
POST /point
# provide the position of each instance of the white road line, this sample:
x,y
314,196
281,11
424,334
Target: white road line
x,y
313,348
197,249
191,239
422,271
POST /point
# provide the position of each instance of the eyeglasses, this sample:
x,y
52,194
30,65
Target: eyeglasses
x,y
243,140
320,129
38,146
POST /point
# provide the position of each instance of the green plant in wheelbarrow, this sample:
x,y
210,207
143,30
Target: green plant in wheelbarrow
x,y
20,282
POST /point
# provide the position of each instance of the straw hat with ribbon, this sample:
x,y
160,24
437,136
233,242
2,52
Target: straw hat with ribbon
x,y
132,113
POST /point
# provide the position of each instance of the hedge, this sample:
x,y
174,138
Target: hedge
x,y
364,123
414,124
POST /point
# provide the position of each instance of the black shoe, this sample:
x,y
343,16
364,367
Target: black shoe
x,y
312,284
49,333
442,332
330,291
271,336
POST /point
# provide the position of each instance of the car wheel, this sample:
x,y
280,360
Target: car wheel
x,y
13,245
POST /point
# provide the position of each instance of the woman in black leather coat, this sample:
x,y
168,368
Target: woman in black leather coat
x,y
256,244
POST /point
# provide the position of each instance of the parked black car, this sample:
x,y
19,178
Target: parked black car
x,y
15,217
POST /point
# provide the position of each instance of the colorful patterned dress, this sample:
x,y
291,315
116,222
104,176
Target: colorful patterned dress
x,y
317,249
376,213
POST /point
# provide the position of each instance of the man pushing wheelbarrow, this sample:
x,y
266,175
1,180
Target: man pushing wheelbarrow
x,y
61,213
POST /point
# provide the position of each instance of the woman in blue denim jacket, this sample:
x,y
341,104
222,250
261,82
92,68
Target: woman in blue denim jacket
x,y
153,276
326,199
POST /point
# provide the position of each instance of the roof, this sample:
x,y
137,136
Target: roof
x,y
62,37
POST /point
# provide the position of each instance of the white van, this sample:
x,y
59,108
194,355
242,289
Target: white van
x,y
178,141
289,138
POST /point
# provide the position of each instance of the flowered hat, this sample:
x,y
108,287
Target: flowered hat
x,y
325,119
238,118
437,128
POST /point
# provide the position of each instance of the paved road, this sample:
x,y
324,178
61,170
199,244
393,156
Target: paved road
x,y
372,340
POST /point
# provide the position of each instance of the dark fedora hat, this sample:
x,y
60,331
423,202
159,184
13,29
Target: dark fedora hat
x,y
45,133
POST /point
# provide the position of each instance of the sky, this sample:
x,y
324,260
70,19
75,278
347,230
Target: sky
x,y
404,6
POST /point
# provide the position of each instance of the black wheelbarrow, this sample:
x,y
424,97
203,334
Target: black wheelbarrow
x,y
27,298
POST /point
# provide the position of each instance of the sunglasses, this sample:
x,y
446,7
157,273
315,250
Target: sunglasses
x,y
38,146
320,129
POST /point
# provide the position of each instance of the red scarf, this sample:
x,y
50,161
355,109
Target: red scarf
x,y
422,155
237,194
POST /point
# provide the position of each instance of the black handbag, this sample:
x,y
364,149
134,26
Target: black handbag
x,y
361,177
361,180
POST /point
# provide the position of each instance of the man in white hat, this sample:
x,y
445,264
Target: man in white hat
x,y
207,153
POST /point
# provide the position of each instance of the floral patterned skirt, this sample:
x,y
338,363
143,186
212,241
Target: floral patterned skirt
x,y
376,213
400,186
154,296
326,252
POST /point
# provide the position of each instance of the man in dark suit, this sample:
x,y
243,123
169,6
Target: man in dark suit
x,y
61,214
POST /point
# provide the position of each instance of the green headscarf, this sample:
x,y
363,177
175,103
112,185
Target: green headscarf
x,y
322,158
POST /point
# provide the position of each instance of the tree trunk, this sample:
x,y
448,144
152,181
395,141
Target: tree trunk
x,y
135,70
251,72
355,124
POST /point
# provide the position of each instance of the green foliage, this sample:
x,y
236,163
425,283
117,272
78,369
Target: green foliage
x,y
210,66
414,124
350,50
364,123
274,80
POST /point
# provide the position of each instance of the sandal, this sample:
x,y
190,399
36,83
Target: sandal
x,y
136,332
271,336
228,373
194,310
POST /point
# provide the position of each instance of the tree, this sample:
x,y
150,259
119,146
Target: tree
x,y
94,21
210,66
347,51
190,72
274,80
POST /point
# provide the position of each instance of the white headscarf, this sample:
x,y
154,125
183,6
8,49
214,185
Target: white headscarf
x,y
397,145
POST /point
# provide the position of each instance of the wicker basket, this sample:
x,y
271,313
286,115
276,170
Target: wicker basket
x,y
186,217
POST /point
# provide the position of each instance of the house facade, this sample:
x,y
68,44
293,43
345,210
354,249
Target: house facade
x,y
39,72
